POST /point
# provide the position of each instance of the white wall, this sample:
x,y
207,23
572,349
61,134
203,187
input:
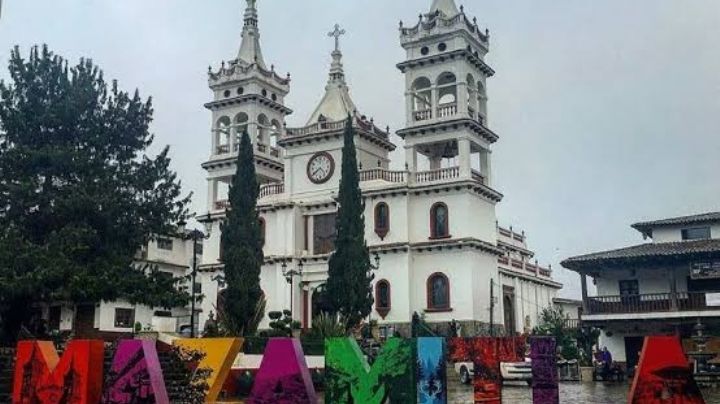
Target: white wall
x,y
650,280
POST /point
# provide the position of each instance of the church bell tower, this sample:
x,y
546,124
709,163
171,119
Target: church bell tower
x,y
248,96
446,112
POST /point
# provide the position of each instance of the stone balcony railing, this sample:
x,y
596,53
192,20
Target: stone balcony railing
x,y
447,110
274,188
437,175
260,148
423,115
523,266
383,175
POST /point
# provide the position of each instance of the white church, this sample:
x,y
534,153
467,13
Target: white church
x,y
432,233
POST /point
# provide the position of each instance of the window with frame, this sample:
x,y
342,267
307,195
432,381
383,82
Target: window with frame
x,y
124,318
438,292
439,223
382,297
382,220
696,233
165,244
324,233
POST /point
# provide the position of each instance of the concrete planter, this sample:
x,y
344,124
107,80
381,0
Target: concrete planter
x,y
586,374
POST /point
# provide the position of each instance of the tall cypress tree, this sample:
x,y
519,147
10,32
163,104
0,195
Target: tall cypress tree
x,y
349,285
242,246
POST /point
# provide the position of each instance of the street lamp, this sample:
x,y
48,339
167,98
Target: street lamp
x,y
289,275
196,236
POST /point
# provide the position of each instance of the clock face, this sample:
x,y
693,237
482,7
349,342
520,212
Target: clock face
x,y
320,167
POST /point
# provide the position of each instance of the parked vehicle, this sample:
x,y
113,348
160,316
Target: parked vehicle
x,y
509,371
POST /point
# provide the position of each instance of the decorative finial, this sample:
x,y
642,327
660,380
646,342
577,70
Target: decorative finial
x,y
387,129
251,3
272,68
475,20
462,9
337,33
209,69
401,24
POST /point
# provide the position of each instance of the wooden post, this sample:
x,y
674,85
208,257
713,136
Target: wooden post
x,y
583,286
673,290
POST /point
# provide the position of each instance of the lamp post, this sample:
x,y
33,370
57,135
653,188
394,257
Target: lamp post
x,y
289,275
195,236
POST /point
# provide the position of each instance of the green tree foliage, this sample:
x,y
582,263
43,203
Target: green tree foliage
x,y
554,322
242,247
349,285
79,196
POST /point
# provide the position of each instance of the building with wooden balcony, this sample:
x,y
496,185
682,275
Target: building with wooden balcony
x,y
665,286
432,222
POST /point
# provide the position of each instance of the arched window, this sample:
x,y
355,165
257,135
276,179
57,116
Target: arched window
x,y
422,94
222,130
275,128
439,221
438,292
382,297
263,125
382,220
447,89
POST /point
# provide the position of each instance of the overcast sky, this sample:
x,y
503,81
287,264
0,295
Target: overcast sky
x,y
607,111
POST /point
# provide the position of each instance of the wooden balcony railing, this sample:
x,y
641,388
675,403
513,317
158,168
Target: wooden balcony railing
x,y
647,303
383,175
447,110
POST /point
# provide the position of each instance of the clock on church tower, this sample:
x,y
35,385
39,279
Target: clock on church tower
x,y
320,168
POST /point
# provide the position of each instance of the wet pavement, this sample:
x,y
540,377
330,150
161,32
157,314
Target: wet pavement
x,y
571,393
588,393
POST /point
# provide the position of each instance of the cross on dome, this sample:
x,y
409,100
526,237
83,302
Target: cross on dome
x,y
337,33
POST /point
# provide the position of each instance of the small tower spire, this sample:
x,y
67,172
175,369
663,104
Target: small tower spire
x,y
447,7
250,51
336,68
336,104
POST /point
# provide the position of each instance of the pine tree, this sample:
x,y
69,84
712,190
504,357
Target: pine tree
x,y
349,285
79,196
242,246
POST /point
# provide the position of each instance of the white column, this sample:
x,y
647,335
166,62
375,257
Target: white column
x,y
411,158
486,166
435,102
463,99
465,163
212,194
409,108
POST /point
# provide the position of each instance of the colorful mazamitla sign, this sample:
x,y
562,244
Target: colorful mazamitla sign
x,y
486,353
404,370
220,353
135,375
43,377
544,370
663,375
283,377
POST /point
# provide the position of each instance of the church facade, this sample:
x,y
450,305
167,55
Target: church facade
x,y
431,228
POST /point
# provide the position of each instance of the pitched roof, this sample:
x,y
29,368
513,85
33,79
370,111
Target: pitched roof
x,y
646,253
692,219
